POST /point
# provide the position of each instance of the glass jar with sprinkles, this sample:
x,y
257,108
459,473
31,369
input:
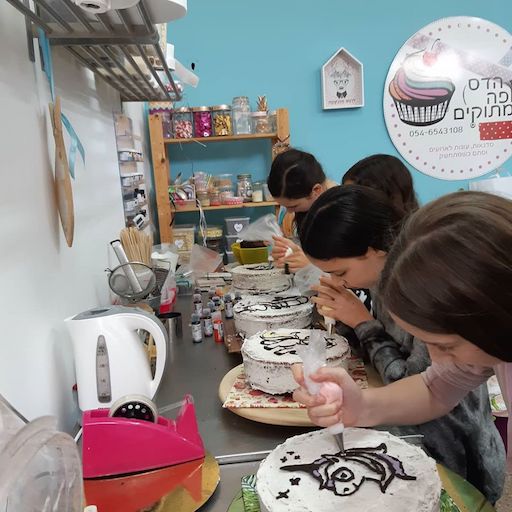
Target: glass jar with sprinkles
x,y
202,121
182,123
221,118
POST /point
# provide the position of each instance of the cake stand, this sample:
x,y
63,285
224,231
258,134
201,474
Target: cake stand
x,y
271,415
285,416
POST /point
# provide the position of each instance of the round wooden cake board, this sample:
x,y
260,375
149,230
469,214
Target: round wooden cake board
x,y
272,415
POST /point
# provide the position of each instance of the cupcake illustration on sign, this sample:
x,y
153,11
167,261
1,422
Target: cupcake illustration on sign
x,y
421,94
447,100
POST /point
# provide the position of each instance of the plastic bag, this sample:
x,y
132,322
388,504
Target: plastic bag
x,y
262,229
307,277
313,357
204,260
498,185
168,294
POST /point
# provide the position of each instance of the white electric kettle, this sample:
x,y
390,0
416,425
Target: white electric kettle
x,y
110,359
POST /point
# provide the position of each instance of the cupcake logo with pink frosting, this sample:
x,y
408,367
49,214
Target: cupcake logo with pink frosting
x,y
420,90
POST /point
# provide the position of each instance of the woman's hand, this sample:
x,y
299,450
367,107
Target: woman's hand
x,y
281,245
340,304
296,260
323,413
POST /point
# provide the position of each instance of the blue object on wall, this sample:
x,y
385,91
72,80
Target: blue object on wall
x,y
278,48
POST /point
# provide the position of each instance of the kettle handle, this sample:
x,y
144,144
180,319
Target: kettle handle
x,y
143,320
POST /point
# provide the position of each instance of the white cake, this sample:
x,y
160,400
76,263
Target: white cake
x,y
259,278
378,473
268,357
264,312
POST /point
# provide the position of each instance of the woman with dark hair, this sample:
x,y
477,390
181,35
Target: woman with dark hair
x,y
348,233
296,180
387,174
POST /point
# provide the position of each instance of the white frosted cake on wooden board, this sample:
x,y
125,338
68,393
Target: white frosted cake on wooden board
x,y
265,312
259,278
378,473
269,355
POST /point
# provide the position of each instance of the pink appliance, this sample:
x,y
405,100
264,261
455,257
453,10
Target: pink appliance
x,y
119,445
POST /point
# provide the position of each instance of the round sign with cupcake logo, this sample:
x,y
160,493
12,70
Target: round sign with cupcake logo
x,y
448,98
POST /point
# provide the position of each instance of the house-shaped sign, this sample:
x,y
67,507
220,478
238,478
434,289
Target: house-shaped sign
x,y
342,81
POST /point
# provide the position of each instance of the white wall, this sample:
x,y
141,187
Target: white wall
x,y
42,280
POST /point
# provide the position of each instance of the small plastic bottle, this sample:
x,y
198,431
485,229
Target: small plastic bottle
x,y
218,327
211,305
197,290
216,302
228,306
197,331
207,322
211,293
198,303
238,297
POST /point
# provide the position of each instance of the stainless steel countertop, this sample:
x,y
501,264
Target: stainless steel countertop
x,y
198,368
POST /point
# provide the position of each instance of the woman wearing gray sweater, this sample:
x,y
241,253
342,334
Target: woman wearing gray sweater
x,y
347,233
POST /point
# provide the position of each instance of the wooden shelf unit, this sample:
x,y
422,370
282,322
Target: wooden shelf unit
x,y
226,206
224,138
162,168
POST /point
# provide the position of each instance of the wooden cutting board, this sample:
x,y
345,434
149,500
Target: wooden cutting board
x,y
63,190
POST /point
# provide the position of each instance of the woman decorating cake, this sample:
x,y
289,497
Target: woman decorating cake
x,y
348,233
297,191
296,180
387,174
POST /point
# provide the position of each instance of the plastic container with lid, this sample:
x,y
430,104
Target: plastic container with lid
x,y
40,467
221,119
244,187
235,224
182,123
184,235
226,193
257,191
241,110
223,180
260,122
202,121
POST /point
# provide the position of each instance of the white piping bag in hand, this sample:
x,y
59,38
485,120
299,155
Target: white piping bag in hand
x,y
313,358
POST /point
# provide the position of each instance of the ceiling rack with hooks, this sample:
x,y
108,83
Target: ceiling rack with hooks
x,y
122,46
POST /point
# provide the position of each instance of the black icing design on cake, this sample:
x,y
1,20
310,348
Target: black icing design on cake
x,y
343,474
284,344
264,266
295,481
282,495
276,304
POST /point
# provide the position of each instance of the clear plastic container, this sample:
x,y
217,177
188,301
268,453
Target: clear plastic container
x,y
241,111
40,468
221,119
223,180
184,236
226,193
244,187
182,123
260,122
202,121
257,192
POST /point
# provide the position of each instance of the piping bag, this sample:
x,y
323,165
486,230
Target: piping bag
x,y
313,358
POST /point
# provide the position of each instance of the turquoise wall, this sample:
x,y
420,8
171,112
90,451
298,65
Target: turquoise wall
x,y
278,47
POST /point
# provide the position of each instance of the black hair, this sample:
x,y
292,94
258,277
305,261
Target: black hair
x,y
293,174
450,270
345,221
387,174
